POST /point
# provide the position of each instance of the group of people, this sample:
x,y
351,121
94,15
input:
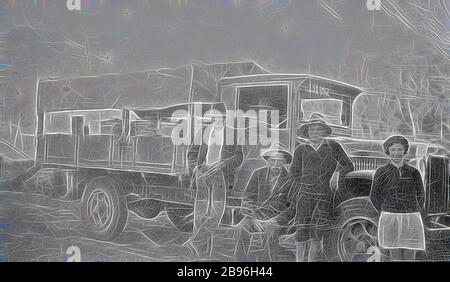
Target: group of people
x,y
293,194
298,201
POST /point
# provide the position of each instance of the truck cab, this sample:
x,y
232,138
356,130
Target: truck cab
x,y
298,98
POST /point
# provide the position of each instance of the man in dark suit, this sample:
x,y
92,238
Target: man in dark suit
x,y
213,164
266,205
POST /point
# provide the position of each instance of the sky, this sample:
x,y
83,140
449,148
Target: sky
x,y
284,36
333,38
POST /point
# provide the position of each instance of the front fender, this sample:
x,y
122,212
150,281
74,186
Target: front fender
x,y
350,210
360,207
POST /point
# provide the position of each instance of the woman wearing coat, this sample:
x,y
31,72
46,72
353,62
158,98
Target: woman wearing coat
x,y
398,194
315,170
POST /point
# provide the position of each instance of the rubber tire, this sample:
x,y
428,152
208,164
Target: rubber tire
x,y
119,217
359,208
182,216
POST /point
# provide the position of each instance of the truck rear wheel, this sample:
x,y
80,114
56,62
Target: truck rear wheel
x,y
104,209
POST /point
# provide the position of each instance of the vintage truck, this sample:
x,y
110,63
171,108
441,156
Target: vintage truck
x,y
107,141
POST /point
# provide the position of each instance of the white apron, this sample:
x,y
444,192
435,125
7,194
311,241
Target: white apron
x,y
401,231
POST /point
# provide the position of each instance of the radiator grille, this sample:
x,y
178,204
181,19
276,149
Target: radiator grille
x,y
368,163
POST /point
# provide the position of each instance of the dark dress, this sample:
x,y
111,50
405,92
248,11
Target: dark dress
x,y
312,170
398,193
397,190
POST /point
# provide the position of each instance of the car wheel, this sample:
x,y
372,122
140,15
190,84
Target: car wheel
x,y
357,241
104,209
353,234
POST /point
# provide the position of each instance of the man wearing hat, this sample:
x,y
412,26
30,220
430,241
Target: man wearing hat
x,y
398,193
266,205
213,166
316,167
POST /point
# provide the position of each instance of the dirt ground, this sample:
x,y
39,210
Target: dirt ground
x,y
39,228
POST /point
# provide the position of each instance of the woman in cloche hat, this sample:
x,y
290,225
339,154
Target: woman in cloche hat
x,y
316,167
398,194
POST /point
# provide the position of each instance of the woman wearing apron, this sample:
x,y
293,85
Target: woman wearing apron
x,y
398,194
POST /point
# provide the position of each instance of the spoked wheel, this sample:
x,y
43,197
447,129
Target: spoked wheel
x,y
104,209
357,241
99,209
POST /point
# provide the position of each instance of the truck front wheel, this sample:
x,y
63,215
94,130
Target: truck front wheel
x,y
353,236
104,209
357,241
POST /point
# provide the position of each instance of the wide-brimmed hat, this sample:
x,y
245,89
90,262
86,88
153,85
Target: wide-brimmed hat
x,y
277,151
397,139
303,131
